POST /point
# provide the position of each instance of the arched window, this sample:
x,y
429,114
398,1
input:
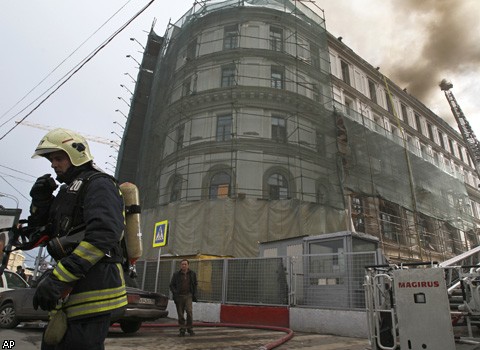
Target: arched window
x,y
176,189
219,186
277,186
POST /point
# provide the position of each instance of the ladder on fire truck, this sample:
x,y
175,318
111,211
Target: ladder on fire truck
x,y
473,146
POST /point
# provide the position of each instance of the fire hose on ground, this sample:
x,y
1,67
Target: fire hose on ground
x,y
268,346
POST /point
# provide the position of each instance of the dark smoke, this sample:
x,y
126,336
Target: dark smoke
x,y
451,44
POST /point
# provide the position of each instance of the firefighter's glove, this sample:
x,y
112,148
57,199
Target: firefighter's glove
x,y
48,293
42,190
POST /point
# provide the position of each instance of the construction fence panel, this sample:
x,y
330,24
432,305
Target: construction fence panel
x,y
210,278
333,281
257,281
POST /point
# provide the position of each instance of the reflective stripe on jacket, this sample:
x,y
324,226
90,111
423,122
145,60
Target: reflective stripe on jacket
x,y
99,300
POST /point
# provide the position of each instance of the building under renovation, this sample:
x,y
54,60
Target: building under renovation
x,y
251,123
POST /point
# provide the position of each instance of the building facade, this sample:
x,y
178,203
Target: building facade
x,y
251,123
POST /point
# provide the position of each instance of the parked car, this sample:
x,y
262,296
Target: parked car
x,y
142,306
16,306
11,280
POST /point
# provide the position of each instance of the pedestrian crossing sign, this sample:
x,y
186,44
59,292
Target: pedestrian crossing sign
x,y
160,234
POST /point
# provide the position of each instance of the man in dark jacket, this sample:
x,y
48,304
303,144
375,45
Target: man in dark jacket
x,y
86,223
184,289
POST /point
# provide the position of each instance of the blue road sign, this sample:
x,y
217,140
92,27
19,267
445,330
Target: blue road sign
x,y
160,234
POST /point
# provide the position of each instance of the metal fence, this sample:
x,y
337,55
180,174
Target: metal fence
x,y
333,281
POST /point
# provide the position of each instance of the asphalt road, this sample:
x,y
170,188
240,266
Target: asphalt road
x,y
152,337
155,337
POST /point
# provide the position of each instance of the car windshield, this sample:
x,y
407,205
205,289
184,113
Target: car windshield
x,y
14,281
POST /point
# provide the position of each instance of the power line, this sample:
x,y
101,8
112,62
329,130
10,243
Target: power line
x,y
79,66
17,171
8,183
87,137
58,66
16,177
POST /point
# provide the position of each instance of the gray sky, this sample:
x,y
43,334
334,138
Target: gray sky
x,y
415,43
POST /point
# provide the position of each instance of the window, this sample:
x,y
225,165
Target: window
x,y
277,77
14,281
418,123
424,150
395,132
345,72
430,131
373,91
450,143
277,187
440,138
224,128
475,209
176,190
448,165
276,39
389,99
404,113
314,55
192,49
425,230
379,126
180,135
228,76
279,129
390,221
466,176
453,238
471,236
460,152
349,106
358,216
219,186
230,37
436,159
411,143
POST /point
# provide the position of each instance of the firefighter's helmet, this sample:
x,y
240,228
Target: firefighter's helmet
x,y
72,143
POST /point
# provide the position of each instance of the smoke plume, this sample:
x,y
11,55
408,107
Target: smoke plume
x,y
448,43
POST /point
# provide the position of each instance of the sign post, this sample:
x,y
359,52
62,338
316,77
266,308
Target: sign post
x,y
159,240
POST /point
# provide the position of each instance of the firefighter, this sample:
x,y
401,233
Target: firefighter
x,y
86,219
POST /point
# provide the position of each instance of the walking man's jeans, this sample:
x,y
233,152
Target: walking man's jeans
x,y
184,306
